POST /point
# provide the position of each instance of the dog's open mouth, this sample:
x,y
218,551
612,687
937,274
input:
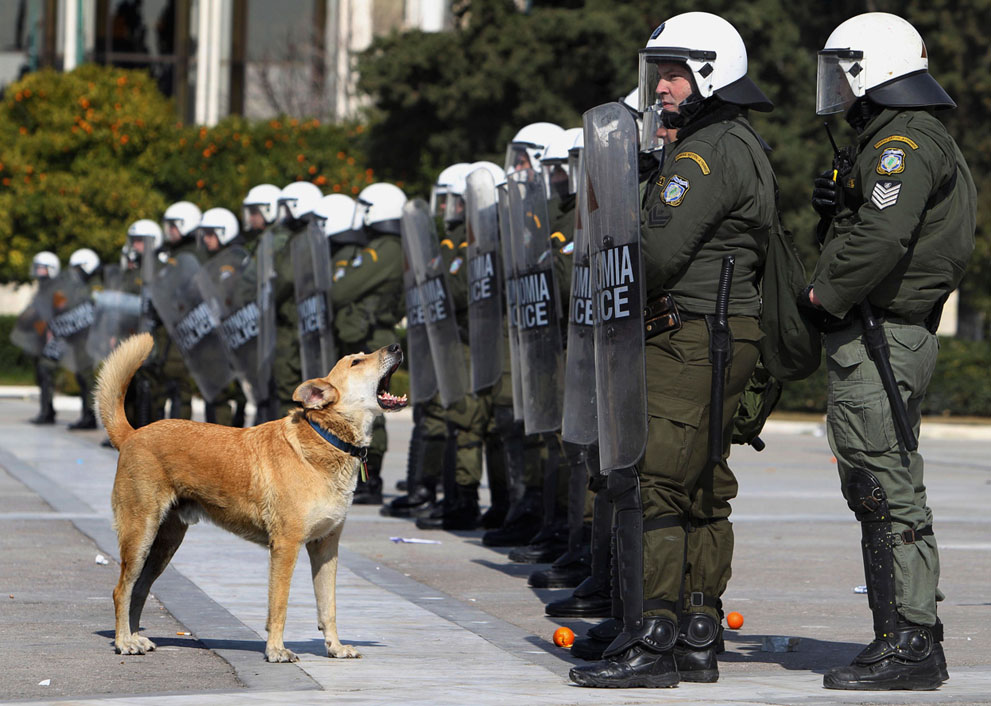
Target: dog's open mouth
x,y
386,400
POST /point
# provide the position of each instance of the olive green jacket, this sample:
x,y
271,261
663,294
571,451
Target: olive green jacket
x,y
906,230
367,292
713,195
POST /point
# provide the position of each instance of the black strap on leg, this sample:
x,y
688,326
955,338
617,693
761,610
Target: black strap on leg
x,y
867,499
624,489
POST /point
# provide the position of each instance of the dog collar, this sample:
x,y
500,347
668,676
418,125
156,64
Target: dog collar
x,y
359,452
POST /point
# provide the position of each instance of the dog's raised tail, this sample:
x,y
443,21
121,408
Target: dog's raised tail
x,y
115,375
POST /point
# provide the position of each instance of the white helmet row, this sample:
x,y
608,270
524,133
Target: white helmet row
x,y
85,259
264,198
557,176
881,56
148,229
528,145
45,260
381,207
439,191
221,222
334,215
299,199
184,216
454,211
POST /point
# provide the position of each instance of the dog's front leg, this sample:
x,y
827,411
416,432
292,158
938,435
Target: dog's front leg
x,y
282,561
323,566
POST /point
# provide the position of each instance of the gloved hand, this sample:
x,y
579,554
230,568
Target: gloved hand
x,y
827,195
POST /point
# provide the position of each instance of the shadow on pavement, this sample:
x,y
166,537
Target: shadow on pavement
x,y
809,655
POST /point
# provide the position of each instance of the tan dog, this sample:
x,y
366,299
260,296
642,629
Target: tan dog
x,y
280,484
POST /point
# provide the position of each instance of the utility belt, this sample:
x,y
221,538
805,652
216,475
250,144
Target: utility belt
x,y
661,315
831,324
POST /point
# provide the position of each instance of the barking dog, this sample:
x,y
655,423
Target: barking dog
x,y
283,484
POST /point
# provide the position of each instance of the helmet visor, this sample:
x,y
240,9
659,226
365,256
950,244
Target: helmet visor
x,y
839,80
574,168
556,178
653,133
454,208
518,157
438,199
655,60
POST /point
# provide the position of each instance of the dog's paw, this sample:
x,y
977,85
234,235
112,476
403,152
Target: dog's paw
x,y
134,644
280,654
343,651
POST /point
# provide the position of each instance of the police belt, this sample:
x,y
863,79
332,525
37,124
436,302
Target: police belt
x,y
882,316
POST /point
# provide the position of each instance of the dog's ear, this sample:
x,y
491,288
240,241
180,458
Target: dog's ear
x,y
315,394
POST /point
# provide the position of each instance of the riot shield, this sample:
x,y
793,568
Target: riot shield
x,y
613,228
484,281
265,262
117,314
509,270
68,308
538,309
227,281
30,332
193,324
579,425
422,379
311,279
435,297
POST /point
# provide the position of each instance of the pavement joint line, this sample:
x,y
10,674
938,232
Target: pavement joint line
x,y
229,638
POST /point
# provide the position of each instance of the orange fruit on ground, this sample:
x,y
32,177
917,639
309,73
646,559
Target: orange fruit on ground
x,y
734,620
564,637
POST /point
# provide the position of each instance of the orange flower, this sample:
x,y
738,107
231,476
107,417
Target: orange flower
x,y
84,102
117,107
122,80
337,188
293,122
124,139
206,153
300,158
350,161
355,190
200,183
341,155
139,122
312,169
23,130
369,172
29,169
202,133
1,166
268,144
42,176
6,181
19,96
275,125
320,180
360,129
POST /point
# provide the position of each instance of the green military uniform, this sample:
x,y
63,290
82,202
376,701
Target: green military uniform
x,y
86,379
901,240
174,381
286,371
713,195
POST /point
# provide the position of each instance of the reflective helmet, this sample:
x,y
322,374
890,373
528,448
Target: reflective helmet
x,y
879,55
454,212
221,222
298,199
85,259
713,52
146,228
334,215
45,260
555,162
264,198
438,191
383,207
184,216
527,146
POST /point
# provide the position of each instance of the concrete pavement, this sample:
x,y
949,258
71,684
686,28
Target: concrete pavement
x,y
455,622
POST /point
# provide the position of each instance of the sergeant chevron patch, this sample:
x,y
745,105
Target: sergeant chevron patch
x,y
885,194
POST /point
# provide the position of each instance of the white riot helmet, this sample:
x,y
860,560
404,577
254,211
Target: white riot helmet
x,y
85,259
384,204
528,145
555,163
574,160
47,261
334,216
454,211
184,216
879,55
714,53
219,222
263,198
145,229
439,190
298,200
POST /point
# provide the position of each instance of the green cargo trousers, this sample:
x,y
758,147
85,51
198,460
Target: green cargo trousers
x,y
686,500
862,435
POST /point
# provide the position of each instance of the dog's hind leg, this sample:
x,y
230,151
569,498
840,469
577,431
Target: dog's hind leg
x,y
135,534
282,561
170,535
323,566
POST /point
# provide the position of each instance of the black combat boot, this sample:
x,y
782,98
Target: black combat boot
x,y
696,648
907,658
462,514
521,526
594,596
643,658
594,643
410,505
546,546
46,388
370,492
86,421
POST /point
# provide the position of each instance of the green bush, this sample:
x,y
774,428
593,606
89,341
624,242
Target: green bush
x,y
16,368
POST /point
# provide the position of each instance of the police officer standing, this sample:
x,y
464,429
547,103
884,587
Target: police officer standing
x,y
899,222
45,266
87,264
712,196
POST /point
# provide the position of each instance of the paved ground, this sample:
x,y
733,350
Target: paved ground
x,y
455,622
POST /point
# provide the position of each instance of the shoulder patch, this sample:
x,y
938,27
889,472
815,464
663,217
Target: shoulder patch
x,y
885,194
695,158
447,243
674,193
896,138
375,255
658,216
455,265
338,273
463,245
356,260
558,236
891,161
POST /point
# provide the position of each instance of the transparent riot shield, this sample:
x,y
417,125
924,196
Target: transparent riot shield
x,y
117,314
537,306
613,229
422,379
485,303
193,324
435,297
265,262
311,280
509,272
30,332
70,312
579,425
228,282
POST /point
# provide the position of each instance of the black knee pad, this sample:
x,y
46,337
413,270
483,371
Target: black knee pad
x,y
623,487
698,630
866,497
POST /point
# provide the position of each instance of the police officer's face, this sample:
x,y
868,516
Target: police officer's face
x,y
674,85
256,221
211,241
172,232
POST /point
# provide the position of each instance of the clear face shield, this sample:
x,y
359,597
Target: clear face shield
x,y
209,239
655,62
438,200
653,133
286,209
557,178
317,225
574,168
360,212
518,157
839,80
454,208
172,228
253,217
135,248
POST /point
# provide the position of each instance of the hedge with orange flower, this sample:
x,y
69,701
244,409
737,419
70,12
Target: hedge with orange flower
x,y
85,153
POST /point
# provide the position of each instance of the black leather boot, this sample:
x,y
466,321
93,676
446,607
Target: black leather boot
x,y
417,501
640,659
519,530
695,650
495,515
86,421
546,546
461,515
594,643
567,571
905,659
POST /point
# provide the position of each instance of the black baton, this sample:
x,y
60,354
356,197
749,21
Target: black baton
x,y
719,353
877,349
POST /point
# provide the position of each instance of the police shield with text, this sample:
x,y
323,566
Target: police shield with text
x,y
312,280
69,311
485,302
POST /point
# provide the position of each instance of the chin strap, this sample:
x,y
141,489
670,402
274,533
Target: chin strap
x,y
359,452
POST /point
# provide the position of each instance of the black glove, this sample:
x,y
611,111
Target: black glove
x,y
827,195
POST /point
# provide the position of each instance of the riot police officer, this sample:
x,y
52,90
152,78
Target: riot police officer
x,y
87,264
259,209
898,225
45,266
713,195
